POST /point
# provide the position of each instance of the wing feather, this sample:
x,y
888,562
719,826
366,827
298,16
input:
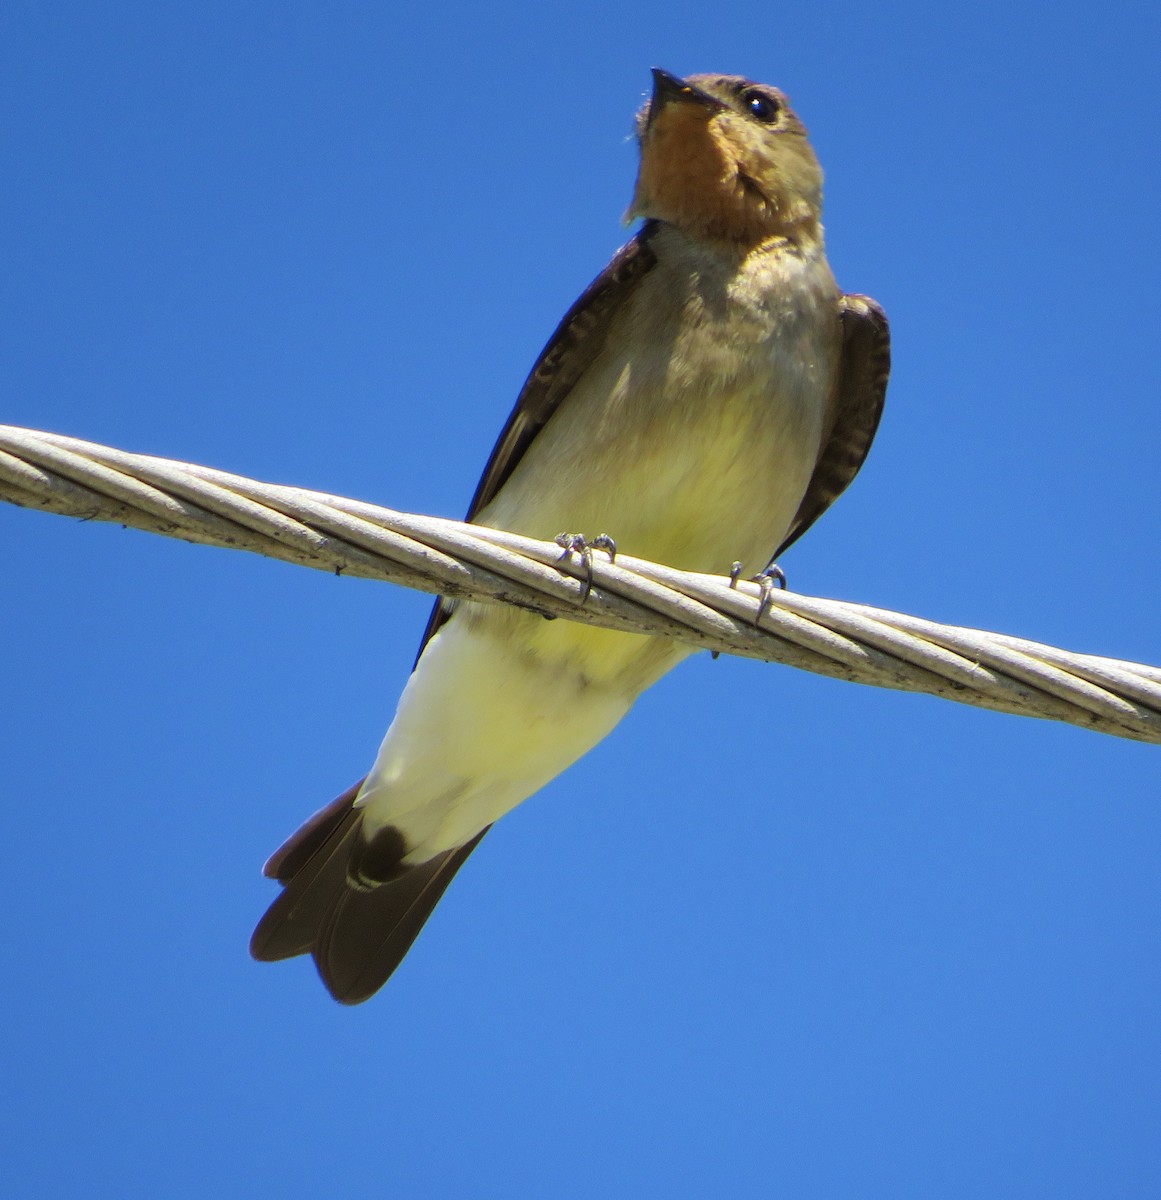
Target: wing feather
x,y
861,390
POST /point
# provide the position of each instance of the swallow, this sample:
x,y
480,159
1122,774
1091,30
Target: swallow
x,y
706,399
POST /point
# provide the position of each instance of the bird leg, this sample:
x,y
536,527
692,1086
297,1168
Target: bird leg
x,y
577,543
767,579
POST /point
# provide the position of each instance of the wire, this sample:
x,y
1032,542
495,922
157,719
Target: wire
x,y
350,537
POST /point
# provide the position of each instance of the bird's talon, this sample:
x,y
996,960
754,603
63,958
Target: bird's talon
x,y
587,587
603,542
766,583
773,576
576,543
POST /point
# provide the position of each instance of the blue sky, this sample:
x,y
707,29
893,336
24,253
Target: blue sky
x,y
778,935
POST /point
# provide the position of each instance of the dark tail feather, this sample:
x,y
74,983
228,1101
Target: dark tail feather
x,y
365,935
356,936
309,838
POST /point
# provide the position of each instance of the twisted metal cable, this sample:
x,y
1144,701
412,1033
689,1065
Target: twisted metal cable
x,y
830,637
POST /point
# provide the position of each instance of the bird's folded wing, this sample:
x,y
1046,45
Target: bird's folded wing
x,y
861,390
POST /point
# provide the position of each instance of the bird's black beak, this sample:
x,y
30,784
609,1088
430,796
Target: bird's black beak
x,y
668,88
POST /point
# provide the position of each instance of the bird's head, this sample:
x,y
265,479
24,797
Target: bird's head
x,y
725,159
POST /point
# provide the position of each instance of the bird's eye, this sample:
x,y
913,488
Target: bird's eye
x,y
761,107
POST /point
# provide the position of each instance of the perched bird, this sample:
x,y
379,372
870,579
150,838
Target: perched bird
x,y
704,401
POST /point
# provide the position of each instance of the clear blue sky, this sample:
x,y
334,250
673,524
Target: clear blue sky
x,y
779,935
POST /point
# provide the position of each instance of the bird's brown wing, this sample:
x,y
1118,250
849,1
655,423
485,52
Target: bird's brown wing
x,y
861,390
357,935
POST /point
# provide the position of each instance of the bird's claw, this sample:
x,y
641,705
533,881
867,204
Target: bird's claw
x,y
577,543
603,542
775,574
768,579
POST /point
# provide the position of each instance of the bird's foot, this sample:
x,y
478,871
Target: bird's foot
x,y
577,543
768,579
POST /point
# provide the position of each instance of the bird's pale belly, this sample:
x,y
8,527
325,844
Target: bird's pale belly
x,y
503,700
726,492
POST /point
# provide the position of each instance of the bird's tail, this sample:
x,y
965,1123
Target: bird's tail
x,y
357,934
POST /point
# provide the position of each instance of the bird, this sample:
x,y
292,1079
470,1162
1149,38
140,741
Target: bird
x,y
702,403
